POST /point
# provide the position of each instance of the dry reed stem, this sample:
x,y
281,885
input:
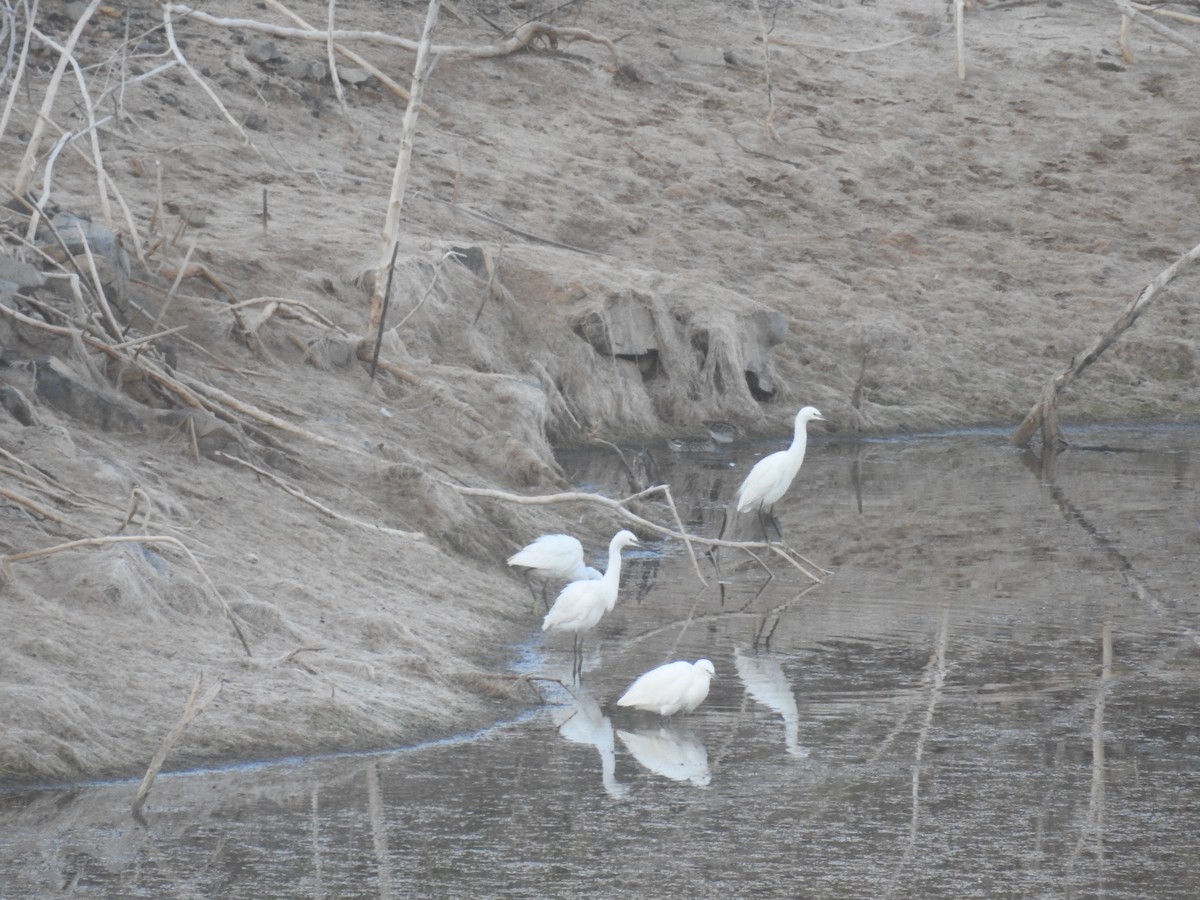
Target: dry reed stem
x,y
169,31
512,229
114,329
34,507
518,40
135,539
722,615
1044,414
26,165
960,51
1123,41
192,709
166,304
344,51
421,70
304,498
331,58
92,129
769,121
437,269
803,45
214,399
14,89
316,320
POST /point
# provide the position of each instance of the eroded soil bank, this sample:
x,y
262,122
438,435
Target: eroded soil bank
x,y
590,252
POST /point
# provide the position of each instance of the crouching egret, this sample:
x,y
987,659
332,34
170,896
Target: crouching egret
x,y
771,475
678,686
583,603
553,557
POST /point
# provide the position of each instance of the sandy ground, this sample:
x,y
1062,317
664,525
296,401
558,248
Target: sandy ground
x,y
706,230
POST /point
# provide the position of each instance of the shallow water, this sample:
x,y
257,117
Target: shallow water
x,y
995,694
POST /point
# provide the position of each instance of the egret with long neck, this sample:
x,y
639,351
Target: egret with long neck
x,y
772,475
582,604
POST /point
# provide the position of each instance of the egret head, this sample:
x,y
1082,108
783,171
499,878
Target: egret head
x,y
706,666
624,539
808,414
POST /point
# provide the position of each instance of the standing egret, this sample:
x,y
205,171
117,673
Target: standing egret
x,y
553,557
583,603
771,475
671,688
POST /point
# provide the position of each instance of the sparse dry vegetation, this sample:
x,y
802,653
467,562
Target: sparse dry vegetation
x,y
605,224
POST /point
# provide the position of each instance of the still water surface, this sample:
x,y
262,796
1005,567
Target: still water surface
x,y
994,695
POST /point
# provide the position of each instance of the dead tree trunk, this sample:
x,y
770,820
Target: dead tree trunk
x,y
1044,414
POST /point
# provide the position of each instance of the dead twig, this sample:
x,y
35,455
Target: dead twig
x,y
169,31
519,39
344,51
37,509
195,705
1138,17
304,498
1044,414
26,165
391,226
621,508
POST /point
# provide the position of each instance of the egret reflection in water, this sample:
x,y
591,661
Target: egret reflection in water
x,y
582,722
764,679
670,751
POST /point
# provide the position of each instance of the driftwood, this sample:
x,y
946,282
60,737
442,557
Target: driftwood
x,y
1139,14
391,226
195,705
518,40
1044,414
781,550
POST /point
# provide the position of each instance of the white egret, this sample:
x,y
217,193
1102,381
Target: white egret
x,y
553,557
671,688
583,603
772,475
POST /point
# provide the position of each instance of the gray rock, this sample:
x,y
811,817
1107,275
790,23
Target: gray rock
x,y
22,275
58,386
18,407
263,52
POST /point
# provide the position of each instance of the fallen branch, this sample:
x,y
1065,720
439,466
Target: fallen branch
x,y
170,33
193,708
620,507
304,498
1140,18
519,39
37,509
1044,414
391,225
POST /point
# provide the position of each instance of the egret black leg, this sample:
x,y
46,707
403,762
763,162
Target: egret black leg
x,y
762,523
532,592
778,530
